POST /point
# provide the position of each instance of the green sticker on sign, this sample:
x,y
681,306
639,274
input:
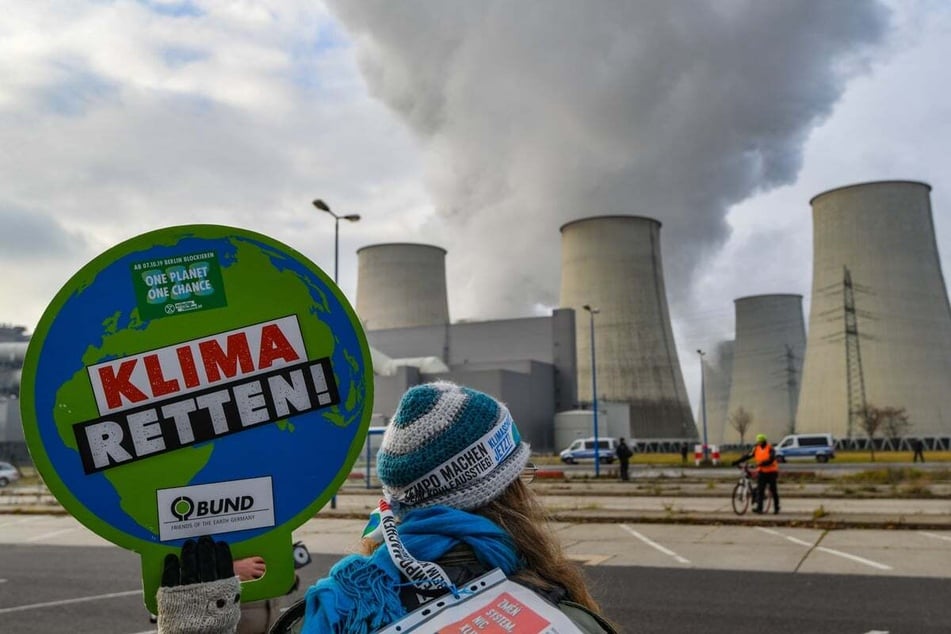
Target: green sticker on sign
x,y
179,284
198,380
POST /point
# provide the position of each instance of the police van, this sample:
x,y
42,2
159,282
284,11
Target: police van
x,y
582,449
818,446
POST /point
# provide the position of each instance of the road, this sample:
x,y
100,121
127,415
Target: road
x,y
56,576
94,590
648,470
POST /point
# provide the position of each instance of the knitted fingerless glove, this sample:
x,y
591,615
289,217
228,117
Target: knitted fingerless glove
x,y
211,607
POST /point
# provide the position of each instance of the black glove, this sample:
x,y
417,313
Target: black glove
x,y
200,593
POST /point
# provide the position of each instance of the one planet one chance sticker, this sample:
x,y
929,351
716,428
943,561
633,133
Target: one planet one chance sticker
x,y
198,380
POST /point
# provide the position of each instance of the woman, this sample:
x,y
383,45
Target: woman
x,y
455,507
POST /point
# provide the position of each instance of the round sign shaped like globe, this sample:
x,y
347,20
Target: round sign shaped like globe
x,y
198,380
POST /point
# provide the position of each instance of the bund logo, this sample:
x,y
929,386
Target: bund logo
x,y
182,508
216,507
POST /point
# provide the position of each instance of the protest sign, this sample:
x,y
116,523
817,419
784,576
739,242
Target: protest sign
x,y
198,380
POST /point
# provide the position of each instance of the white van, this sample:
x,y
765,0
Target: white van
x,y
583,449
818,446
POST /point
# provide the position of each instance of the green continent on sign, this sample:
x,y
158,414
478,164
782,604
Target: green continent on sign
x,y
257,287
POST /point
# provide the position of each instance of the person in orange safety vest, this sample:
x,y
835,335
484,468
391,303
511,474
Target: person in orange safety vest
x,y
764,456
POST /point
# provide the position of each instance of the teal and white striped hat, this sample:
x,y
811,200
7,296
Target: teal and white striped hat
x,y
449,445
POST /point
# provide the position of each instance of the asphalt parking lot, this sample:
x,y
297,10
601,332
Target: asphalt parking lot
x,y
908,553
682,538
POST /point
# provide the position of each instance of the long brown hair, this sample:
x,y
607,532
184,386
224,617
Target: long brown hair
x,y
519,512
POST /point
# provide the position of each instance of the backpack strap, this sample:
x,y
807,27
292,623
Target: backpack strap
x,y
588,621
461,566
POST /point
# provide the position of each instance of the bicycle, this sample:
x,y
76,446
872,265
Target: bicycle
x,y
745,491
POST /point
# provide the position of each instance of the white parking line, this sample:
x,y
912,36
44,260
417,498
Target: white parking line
x,y
49,604
40,538
934,535
837,553
856,558
654,544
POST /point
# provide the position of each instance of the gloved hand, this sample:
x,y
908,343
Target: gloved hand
x,y
200,593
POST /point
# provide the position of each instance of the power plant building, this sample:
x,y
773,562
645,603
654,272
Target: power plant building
x,y
613,265
528,363
767,364
879,324
13,344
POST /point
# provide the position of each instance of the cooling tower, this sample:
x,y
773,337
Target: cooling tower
x,y
767,365
882,232
401,285
613,264
718,372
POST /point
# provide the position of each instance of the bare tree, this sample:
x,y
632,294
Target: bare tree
x,y
876,418
895,424
741,421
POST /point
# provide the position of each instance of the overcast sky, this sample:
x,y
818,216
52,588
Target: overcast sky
x,y
477,126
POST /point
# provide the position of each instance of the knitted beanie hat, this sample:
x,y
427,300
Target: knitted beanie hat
x,y
449,445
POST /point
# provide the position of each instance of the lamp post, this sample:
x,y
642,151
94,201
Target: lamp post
x,y
594,393
321,205
703,404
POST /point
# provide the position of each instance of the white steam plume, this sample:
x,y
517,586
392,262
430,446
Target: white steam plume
x,y
533,113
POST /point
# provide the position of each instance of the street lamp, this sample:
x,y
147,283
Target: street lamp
x,y
321,205
703,404
594,393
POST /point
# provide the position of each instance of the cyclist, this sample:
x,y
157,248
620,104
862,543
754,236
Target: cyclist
x,y
764,456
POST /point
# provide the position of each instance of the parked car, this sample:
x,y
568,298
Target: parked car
x,y
8,473
582,449
818,446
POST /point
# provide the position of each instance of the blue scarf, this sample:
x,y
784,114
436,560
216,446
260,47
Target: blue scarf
x,y
361,595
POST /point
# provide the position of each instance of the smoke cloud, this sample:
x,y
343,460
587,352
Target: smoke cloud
x,y
534,113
